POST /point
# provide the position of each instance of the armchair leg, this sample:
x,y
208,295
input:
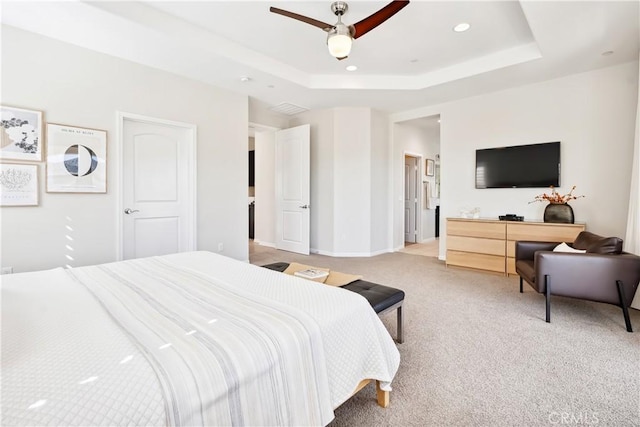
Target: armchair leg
x,y
520,284
623,304
547,294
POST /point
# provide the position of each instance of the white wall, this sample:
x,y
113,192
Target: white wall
x,y
78,87
380,183
352,178
592,114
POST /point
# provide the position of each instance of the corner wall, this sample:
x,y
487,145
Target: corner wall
x,y
349,180
322,177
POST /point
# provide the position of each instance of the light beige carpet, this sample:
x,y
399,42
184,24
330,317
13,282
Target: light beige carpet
x,y
477,352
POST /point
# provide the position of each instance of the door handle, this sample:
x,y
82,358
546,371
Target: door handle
x,y
129,211
304,207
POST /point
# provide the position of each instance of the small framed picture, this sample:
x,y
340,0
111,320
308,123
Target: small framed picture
x,y
76,159
20,134
18,185
430,167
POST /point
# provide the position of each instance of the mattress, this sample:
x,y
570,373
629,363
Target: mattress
x,y
185,339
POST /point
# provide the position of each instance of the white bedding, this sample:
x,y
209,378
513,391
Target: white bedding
x,y
185,339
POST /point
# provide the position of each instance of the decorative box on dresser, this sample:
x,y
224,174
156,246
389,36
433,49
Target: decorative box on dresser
x,y
487,244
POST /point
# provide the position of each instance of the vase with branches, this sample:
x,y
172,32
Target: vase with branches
x,y
558,210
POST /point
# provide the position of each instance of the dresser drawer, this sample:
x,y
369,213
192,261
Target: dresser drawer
x,y
542,232
476,244
470,228
475,260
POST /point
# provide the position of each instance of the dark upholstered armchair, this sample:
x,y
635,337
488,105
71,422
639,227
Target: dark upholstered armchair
x,y
602,274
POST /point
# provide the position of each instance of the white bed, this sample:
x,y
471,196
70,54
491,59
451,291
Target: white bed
x,y
184,339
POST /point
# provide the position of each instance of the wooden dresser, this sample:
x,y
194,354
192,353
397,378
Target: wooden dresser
x,y
487,244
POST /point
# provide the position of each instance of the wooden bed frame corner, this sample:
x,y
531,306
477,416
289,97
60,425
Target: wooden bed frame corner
x,y
382,395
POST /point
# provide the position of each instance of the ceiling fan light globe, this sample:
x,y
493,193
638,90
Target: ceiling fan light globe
x,y
339,45
339,40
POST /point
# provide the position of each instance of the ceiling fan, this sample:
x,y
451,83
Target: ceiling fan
x,y
340,36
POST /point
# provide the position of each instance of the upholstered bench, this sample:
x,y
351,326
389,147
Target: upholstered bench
x,y
382,298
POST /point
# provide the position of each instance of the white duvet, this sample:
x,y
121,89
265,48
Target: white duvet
x,y
184,339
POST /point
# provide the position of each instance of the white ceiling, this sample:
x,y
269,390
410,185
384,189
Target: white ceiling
x,y
412,60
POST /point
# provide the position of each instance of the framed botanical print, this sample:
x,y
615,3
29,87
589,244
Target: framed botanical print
x,y
76,159
18,185
20,134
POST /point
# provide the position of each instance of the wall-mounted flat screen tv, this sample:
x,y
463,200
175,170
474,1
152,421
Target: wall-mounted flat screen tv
x,y
520,166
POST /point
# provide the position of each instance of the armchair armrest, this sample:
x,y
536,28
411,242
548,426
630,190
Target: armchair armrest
x,y
525,249
589,276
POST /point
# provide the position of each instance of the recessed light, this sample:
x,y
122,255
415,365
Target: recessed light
x,y
607,53
413,61
461,27
245,79
351,67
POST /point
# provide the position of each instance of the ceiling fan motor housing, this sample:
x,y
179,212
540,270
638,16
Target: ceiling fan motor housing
x,y
339,8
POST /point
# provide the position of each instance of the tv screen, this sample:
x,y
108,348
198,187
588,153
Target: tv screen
x,y
520,166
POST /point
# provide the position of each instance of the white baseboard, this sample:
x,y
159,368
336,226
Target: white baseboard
x,y
428,240
349,254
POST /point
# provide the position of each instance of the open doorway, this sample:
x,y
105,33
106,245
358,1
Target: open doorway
x,y
279,200
261,184
417,141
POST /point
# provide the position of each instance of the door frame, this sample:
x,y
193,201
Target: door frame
x,y
419,187
254,129
121,117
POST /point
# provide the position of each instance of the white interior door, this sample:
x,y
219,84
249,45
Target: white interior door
x,y
158,179
410,199
293,170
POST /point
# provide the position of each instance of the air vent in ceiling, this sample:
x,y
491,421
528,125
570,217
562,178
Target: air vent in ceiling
x,y
288,109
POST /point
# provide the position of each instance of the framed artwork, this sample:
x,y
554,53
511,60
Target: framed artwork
x,y
76,159
20,134
18,185
430,167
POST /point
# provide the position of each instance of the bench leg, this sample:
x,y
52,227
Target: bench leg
x,y
400,337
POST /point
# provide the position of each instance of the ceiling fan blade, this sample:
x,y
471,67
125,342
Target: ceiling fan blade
x,y
362,27
341,58
314,22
